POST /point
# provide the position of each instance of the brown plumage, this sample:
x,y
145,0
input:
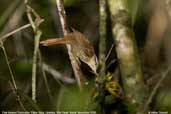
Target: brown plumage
x,y
80,46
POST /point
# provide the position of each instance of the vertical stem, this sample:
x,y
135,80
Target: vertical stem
x,y
127,54
74,63
62,16
60,98
9,67
102,44
102,49
12,77
45,77
35,26
34,66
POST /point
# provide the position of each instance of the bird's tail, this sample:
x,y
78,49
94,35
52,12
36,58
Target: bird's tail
x,y
55,41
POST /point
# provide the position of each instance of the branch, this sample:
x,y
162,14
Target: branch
x,y
155,89
77,71
4,37
35,26
13,84
57,75
102,44
127,54
8,12
102,53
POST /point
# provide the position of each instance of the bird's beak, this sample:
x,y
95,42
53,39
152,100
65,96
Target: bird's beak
x,y
93,63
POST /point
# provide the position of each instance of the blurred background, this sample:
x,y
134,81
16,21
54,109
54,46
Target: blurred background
x,y
151,20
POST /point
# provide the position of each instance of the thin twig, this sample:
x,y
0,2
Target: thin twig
x,y
60,98
57,75
18,97
14,19
8,64
8,12
12,76
108,54
110,63
45,78
156,88
77,71
34,66
35,26
4,37
29,16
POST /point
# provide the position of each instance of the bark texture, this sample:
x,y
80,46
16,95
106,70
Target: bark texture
x,y
127,54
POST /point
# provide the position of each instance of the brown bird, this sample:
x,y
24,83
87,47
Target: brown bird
x,y
80,47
